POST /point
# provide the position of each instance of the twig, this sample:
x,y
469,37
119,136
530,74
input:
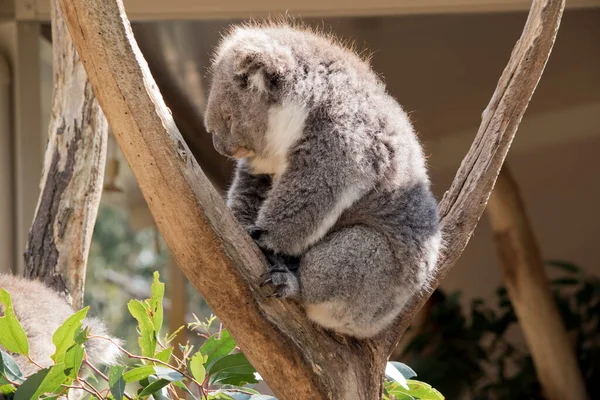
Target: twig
x,y
96,370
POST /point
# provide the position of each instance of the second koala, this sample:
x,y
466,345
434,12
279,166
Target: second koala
x,y
329,172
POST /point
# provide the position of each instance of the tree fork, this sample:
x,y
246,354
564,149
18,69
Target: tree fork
x,y
298,360
71,186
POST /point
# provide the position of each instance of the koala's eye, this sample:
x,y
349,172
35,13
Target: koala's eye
x,y
227,118
273,81
242,80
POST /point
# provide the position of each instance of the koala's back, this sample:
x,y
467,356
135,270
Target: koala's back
x,y
40,310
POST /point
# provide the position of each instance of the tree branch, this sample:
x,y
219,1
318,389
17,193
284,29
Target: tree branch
x,y
529,292
297,359
61,233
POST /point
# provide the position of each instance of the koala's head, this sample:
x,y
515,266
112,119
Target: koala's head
x,y
250,74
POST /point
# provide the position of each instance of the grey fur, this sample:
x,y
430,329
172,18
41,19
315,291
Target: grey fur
x,y
40,310
330,170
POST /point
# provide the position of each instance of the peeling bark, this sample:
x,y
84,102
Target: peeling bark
x,y
60,236
298,360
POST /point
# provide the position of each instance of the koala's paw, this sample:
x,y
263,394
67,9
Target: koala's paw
x,y
283,281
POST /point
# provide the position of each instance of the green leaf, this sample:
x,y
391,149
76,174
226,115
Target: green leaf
x,y
7,389
64,336
73,359
196,367
183,387
12,334
47,380
147,339
168,373
232,378
395,375
154,387
215,348
164,355
156,302
116,381
9,369
233,363
423,391
139,373
406,371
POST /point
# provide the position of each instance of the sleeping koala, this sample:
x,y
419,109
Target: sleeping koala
x,y
40,310
330,179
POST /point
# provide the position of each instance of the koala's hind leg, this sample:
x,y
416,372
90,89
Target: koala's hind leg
x,y
351,283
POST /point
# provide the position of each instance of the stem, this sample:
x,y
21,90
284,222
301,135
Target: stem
x,y
92,388
96,370
154,360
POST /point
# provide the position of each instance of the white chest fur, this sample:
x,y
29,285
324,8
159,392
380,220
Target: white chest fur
x,y
286,123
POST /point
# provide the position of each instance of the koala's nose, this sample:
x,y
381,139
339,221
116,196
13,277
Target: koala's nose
x,y
219,146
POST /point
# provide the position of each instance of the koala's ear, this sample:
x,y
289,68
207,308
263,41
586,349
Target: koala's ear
x,y
263,69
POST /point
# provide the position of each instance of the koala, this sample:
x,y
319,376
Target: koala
x,y
330,177
41,310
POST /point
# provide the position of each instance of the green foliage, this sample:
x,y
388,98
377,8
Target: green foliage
x,y
400,386
476,341
215,371
9,370
65,335
12,335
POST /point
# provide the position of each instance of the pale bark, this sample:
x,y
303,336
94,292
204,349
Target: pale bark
x,y
61,233
529,292
297,359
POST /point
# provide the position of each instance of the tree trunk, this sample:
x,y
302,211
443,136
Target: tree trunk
x,y
527,286
298,360
60,236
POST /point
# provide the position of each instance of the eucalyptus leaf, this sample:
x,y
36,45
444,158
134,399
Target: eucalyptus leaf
x,y
395,375
116,382
406,371
168,374
64,336
154,387
147,339
196,367
183,387
217,347
47,380
9,369
73,359
423,391
12,334
233,363
139,373
156,302
7,389
164,355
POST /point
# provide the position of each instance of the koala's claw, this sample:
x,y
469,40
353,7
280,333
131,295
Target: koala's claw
x,y
283,281
265,282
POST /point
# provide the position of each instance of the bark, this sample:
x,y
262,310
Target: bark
x,y
527,286
60,236
297,359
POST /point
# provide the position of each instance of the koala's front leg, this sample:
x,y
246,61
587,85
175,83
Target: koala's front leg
x,y
306,202
246,194
281,274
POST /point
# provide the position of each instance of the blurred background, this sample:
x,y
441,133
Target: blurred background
x,y
441,60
